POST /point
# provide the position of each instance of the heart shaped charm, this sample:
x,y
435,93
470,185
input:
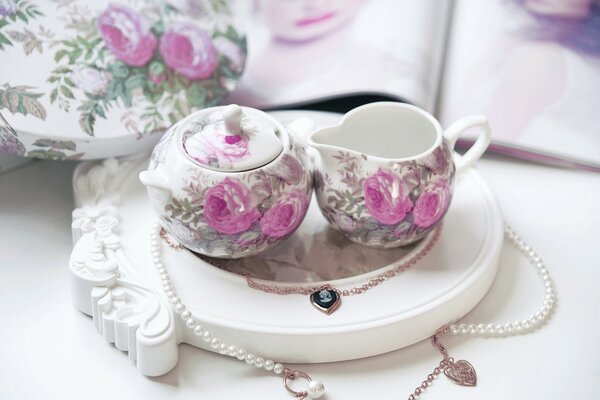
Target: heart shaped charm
x,y
461,372
325,300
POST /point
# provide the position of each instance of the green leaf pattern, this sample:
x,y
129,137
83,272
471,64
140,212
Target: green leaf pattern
x,y
150,106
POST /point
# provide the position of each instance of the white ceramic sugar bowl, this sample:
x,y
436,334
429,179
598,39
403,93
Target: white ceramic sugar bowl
x,y
229,182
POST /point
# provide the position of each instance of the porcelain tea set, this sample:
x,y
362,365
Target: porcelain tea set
x,y
231,181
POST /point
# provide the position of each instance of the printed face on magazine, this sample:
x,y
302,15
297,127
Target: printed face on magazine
x,y
300,20
560,8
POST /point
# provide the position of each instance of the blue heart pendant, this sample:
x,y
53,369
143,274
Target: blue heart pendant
x,y
326,300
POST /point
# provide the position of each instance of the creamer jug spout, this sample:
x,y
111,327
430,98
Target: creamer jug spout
x,y
329,141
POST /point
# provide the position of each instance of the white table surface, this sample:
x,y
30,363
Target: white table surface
x,y
49,350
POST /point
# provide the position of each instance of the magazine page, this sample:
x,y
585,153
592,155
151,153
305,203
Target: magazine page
x,y
305,50
531,66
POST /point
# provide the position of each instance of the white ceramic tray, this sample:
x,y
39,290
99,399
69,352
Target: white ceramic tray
x,y
114,280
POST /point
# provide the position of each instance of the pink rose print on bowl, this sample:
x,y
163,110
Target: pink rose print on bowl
x,y
432,204
188,49
217,149
289,170
216,205
229,207
127,35
285,215
386,197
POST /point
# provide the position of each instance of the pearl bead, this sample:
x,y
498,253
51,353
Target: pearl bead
x,y
500,330
223,348
198,330
214,343
278,368
518,326
241,355
315,389
259,362
269,364
186,314
481,329
207,336
250,359
539,315
472,329
179,308
490,328
175,300
232,351
190,322
453,329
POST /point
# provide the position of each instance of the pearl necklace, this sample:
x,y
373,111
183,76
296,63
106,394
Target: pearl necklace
x,y
461,371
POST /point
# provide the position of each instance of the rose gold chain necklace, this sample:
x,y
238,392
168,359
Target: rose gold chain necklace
x,y
325,298
460,371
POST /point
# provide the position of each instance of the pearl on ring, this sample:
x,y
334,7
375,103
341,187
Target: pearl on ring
x,y
315,389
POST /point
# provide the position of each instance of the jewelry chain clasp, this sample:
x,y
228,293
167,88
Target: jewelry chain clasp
x,y
288,374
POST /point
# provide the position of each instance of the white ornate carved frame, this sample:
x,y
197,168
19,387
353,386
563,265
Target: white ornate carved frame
x,y
126,307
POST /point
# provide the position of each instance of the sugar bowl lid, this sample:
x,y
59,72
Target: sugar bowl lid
x,y
231,139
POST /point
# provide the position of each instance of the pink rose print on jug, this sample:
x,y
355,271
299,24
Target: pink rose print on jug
x,y
229,207
284,216
384,174
431,206
386,197
189,50
127,35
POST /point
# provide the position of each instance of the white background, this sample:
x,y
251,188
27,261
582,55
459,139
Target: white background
x,y
50,350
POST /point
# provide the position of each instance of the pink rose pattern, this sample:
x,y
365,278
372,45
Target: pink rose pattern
x,y
188,49
242,215
229,207
394,205
127,35
213,146
144,59
285,215
432,204
386,197
289,170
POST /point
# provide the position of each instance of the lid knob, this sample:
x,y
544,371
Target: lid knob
x,y
231,138
232,116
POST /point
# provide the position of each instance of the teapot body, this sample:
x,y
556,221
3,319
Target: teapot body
x,y
228,214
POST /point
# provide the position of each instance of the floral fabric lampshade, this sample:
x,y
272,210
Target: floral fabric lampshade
x,y
81,79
